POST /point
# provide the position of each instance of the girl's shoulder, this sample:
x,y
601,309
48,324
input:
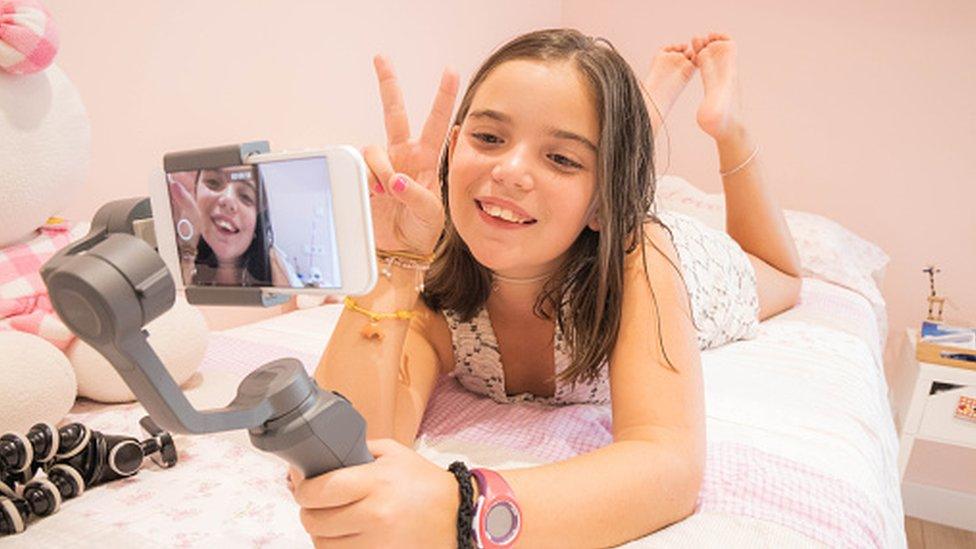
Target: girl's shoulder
x,y
657,241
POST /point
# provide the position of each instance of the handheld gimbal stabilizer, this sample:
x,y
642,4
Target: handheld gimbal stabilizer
x,y
107,286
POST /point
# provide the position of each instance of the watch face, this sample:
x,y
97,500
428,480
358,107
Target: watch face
x,y
502,522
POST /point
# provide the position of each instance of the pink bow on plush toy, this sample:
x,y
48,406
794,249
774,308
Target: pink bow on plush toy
x,y
28,37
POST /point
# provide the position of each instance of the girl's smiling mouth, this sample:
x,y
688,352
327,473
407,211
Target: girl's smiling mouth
x,y
503,211
224,224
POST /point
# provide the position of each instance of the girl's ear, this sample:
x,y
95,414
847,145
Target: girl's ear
x,y
593,222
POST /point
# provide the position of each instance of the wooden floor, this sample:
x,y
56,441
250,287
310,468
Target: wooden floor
x,y
929,535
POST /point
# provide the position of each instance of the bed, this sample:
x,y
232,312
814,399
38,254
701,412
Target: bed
x,y
802,448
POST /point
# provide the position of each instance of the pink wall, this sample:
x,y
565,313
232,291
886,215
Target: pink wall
x,y
864,109
865,113
162,76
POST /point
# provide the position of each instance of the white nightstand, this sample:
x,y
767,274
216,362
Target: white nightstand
x,y
926,407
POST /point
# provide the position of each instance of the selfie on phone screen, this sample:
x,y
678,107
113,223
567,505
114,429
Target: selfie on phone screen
x,y
269,225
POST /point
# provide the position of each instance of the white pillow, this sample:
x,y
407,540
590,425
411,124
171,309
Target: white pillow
x,y
827,250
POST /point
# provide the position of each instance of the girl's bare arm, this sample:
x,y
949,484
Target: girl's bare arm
x,y
407,216
365,370
651,474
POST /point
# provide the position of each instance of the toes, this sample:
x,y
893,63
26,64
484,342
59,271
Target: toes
x,y
700,43
685,49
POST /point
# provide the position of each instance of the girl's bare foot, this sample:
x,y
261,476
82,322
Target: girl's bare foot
x,y
670,72
715,57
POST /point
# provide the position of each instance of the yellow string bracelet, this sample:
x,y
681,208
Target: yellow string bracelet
x,y
371,330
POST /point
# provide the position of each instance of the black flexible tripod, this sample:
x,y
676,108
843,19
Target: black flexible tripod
x,y
72,459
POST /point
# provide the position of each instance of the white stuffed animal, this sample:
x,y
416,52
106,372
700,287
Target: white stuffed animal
x,y
45,144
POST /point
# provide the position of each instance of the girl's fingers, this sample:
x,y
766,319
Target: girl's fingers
x,y
184,205
379,164
335,489
435,129
336,525
394,113
181,195
373,183
422,203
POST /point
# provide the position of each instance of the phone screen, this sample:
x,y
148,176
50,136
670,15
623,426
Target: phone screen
x,y
265,225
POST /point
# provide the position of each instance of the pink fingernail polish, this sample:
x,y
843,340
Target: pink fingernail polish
x,y
400,184
379,189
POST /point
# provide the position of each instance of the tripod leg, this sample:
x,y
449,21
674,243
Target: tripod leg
x,y
13,515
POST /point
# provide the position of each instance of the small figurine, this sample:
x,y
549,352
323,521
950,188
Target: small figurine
x,y
935,301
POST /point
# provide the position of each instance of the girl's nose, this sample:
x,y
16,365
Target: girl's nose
x,y
227,200
513,170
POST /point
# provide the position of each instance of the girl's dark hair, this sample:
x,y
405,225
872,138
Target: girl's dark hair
x,y
585,294
256,258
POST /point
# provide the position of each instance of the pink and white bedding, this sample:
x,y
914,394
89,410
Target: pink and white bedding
x,y
801,444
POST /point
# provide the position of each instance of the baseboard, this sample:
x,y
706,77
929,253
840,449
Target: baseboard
x,y
939,505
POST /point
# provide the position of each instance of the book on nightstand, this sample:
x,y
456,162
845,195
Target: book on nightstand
x,y
950,346
947,345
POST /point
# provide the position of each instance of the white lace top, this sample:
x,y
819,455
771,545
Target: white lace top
x,y
725,306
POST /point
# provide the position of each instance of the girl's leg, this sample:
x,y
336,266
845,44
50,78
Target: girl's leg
x,y
671,69
752,216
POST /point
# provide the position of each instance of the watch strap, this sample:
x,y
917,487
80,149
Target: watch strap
x,y
494,491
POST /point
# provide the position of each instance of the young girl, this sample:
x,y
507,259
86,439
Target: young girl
x,y
550,281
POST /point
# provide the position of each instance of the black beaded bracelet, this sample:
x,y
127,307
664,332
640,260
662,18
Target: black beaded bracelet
x,y
466,508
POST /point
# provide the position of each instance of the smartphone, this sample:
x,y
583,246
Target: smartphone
x,y
295,222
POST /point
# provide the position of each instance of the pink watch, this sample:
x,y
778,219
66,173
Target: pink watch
x,y
497,519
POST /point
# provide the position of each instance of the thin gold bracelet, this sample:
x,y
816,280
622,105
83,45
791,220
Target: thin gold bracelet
x,y
428,258
420,264
371,330
742,165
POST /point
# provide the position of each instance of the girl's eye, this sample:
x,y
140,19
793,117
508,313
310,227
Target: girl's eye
x,y
245,194
487,138
213,184
564,161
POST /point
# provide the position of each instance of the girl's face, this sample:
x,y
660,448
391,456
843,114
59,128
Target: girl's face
x,y
227,200
523,167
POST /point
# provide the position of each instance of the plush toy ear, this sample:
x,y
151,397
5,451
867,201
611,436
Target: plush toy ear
x,y
28,37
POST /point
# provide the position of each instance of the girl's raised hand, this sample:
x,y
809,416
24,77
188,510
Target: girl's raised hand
x,y
405,193
184,205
